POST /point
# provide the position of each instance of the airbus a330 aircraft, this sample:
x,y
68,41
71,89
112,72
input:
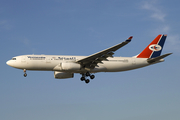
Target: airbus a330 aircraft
x,y
103,61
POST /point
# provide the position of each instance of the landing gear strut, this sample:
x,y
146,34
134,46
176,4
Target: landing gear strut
x,y
85,75
25,74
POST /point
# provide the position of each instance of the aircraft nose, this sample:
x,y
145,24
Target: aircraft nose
x,y
8,62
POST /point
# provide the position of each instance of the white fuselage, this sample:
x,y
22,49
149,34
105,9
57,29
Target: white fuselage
x,y
55,62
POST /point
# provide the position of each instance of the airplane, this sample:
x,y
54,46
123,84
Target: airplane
x,y
64,66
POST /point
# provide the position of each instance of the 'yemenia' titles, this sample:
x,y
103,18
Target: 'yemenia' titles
x,y
36,58
53,58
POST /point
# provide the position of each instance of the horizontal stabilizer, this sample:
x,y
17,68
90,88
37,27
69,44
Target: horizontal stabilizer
x,y
152,60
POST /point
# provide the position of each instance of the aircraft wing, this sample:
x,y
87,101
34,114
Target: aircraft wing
x,y
91,61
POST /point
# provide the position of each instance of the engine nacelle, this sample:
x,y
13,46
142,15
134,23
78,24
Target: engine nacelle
x,y
63,75
70,66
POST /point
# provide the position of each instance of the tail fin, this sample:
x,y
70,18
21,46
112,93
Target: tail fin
x,y
154,48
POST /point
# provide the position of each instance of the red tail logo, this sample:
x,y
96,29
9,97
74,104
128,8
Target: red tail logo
x,y
154,48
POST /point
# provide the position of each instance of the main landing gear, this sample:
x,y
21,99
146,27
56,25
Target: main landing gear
x,y
25,74
84,75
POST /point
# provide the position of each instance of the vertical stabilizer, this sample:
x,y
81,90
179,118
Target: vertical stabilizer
x,y
154,48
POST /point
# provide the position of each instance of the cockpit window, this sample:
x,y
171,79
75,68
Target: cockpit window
x,y
13,59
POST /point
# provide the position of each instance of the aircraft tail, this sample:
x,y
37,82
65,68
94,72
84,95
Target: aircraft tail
x,y
154,48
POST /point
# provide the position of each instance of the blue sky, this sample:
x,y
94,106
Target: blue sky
x,y
82,27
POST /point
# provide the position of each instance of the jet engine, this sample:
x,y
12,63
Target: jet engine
x,y
63,75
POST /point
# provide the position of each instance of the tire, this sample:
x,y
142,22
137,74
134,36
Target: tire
x,y
87,81
92,76
87,74
25,74
82,78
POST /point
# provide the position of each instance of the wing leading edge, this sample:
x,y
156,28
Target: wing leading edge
x,y
91,61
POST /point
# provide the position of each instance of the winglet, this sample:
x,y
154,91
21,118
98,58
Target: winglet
x,y
129,39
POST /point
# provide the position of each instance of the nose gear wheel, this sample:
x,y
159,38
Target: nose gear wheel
x,y
25,74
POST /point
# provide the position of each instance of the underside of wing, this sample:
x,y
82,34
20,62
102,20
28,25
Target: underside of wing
x,y
91,61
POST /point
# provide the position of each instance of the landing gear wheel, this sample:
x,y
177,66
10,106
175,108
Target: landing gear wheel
x,y
92,76
87,81
82,78
25,74
87,74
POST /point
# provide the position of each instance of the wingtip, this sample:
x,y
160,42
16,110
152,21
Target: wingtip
x,y
129,39
170,53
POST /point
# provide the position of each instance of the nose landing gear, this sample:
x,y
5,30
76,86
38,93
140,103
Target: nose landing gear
x,y
85,75
25,74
